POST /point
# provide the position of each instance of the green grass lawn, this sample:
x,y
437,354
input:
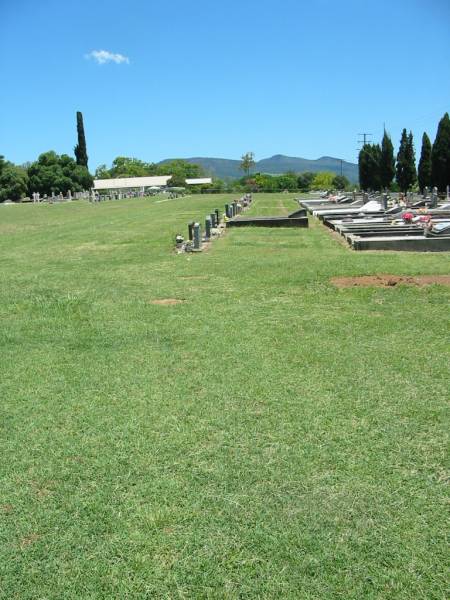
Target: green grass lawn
x,y
269,437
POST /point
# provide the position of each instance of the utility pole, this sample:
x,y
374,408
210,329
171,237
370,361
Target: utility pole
x,y
365,138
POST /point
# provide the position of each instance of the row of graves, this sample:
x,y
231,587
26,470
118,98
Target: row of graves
x,y
91,195
233,216
382,221
37,198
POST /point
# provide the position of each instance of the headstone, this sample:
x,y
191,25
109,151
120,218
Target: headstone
x,y
434,198
38,197
69,195
425,192
213,219
227,211
217,217
448,192
208,228
385,201
191,231
197,236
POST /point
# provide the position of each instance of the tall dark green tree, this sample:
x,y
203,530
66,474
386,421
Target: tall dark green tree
x,y
80,149
440,155
424,169
369,167
411,158
406,162
387,162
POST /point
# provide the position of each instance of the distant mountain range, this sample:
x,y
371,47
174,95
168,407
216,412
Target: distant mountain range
x,y
225,168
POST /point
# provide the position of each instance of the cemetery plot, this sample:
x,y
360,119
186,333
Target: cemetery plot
x,y
232,217
379,222
297,218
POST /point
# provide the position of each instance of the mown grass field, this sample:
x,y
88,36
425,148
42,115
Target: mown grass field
x,y
270,437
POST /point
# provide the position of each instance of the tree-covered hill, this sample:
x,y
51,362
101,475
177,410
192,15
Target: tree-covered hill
x,y
227,168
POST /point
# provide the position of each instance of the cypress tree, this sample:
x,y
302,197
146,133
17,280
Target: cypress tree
x,y
387,162
424,170
411,161
406,162
440,155
80,149
369,167
364,167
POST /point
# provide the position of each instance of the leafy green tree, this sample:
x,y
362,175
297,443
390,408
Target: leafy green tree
x,y
387,162
80,149
247,162
181,169
102,172
264,183
13,181
406,163
323,180
440,155
287,181
424,169
54,173
340,182
304,181
177,181
122,166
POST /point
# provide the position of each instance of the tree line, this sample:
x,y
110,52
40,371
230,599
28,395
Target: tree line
x,y
50,174
378,168
123,166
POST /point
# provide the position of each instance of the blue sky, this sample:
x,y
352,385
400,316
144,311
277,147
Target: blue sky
x,y
205,78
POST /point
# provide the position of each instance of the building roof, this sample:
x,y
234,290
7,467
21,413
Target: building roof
x,y
130,182
199,180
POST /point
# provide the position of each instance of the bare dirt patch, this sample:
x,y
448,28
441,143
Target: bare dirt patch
x,y
390,280
28,540
167,301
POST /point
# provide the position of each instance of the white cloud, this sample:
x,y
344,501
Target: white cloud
x,y
103,56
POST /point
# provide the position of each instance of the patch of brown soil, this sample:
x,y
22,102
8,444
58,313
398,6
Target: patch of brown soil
x,y
167,301
389,280
28,540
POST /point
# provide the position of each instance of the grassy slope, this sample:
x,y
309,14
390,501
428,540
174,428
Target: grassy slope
x,y
270,437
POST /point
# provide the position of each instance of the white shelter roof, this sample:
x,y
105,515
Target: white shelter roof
x,y
131,182
199,180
